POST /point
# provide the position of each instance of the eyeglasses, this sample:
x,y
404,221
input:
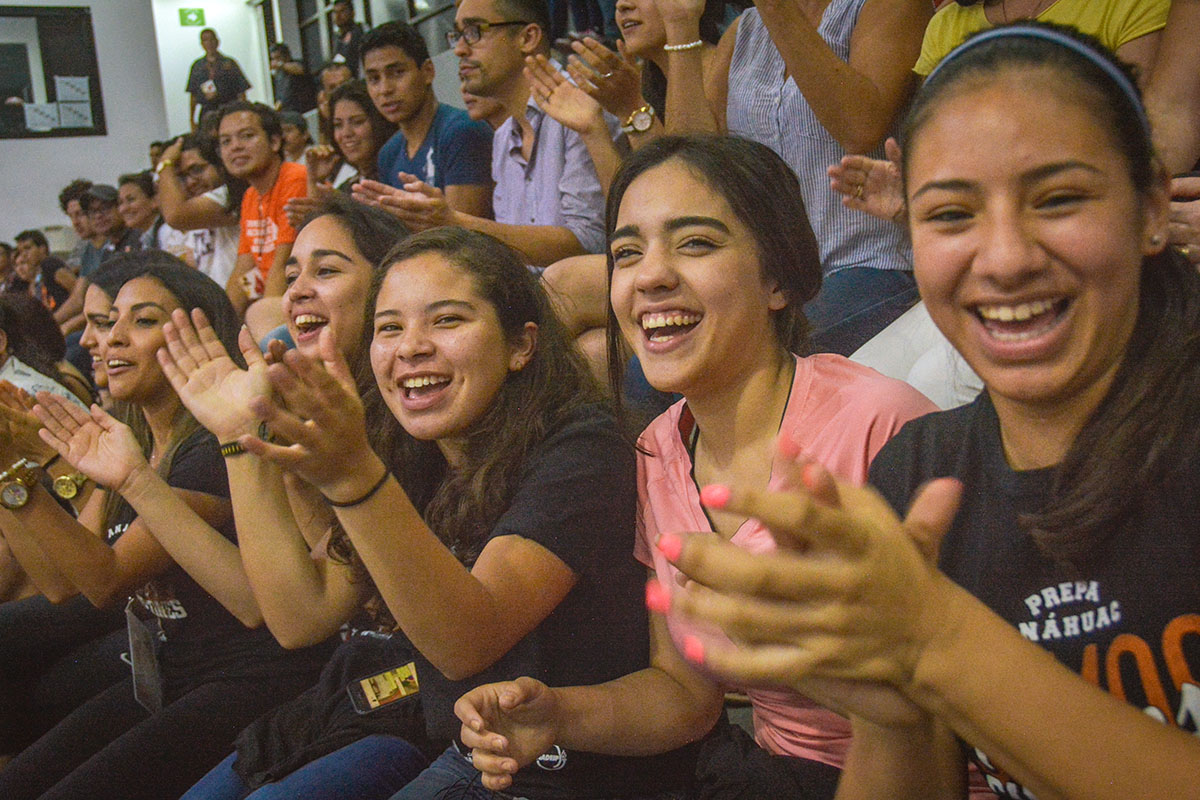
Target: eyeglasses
x,y
472,32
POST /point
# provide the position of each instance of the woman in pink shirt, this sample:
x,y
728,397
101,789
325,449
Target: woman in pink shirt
x,y
707,282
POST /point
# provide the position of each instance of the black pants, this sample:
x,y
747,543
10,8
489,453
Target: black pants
x,y
110,748
54,658
731,766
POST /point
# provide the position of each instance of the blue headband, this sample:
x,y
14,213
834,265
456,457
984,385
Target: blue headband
x,y
1055,37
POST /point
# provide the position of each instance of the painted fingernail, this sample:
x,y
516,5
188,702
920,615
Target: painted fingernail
x,y
788,448
810,473
715,495
670,546
658,598
693,649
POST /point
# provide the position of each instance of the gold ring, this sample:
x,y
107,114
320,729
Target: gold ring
x,y
606,75
1186,250
858,191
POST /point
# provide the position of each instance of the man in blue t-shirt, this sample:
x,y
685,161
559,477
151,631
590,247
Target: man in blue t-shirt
x,y
436,144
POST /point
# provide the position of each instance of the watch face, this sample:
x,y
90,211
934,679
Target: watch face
x,y
66,487
642,121
14,495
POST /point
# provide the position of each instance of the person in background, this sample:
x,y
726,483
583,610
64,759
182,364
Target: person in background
x,y
32,349
293,86
214,80
155,152
331,76
138,206
6,262
101,202
349,35
40,274
548,202
86,255
251,141
195,196
436,144
296,137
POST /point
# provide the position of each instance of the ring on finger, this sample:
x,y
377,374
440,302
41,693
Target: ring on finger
x,y
606,75
858,192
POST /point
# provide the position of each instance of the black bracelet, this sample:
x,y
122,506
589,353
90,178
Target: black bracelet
x,y
52,459
235,448
370,493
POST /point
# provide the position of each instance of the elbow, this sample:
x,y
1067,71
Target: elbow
x,y
296,637
862,142
58,595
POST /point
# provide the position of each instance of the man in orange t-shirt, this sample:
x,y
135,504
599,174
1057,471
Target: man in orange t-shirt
x,y
251,140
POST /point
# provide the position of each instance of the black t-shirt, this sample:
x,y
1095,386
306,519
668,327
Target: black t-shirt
x,y
129,242
1130,624
577,499
225,74
347,46
201,640
293,92
51,292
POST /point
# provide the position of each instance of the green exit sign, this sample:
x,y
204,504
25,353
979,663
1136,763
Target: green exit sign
x,y
191,16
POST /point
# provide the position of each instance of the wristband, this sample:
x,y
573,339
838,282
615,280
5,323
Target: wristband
x,y
359,501
235,448
675,48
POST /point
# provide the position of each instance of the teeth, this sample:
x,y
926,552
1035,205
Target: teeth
x,y
671,318
424,380
1019,313
303,320
116,362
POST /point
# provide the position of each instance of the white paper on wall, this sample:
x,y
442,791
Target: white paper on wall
x,y
70,89
75,115
41,116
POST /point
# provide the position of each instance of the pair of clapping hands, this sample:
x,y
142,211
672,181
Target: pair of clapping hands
x,y
311,404
841,612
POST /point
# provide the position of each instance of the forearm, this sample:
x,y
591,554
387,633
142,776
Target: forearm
x,y
27,559
234,287
856,109
918,762
541,244
1053,731
212,560
1173,96
470,199
685,109
301,603
606,158
276,282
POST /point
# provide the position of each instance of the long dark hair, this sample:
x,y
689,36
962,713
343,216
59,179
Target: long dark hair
x,y
192,289
1148,424
381,130
764,194
461,505
33,336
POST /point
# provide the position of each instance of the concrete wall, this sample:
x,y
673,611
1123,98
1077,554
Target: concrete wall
x,y
32,171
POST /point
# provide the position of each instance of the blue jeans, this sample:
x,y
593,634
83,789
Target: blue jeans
x,y
855,304
370,769
451,775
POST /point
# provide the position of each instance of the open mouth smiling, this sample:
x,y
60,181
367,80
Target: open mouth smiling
x,y
1022,321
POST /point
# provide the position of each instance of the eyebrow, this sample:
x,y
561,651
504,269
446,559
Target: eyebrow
x,y
147,304
429,309
674,224
1026,179
320,253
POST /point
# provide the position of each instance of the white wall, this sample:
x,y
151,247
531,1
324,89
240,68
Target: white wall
x,y
239,28
32,171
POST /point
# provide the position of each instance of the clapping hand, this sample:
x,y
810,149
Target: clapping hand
x,y
562,100
90,441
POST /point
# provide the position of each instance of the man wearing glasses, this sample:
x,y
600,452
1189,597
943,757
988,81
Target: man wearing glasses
x,y
548,202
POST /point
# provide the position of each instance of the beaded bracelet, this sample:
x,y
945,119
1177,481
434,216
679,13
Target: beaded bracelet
x,y
675,48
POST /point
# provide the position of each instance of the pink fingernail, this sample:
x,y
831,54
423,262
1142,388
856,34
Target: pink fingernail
x,y
693,649
810,473
788,448
715,495
670,546
658,598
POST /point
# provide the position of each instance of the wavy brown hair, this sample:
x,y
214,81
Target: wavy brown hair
x,y
462,505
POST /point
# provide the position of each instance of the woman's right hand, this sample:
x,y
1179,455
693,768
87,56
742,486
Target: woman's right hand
x,y
507,725
870,184
20,438
92,442
565,102
217,391
321,160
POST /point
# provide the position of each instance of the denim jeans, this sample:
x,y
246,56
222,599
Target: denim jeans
x,y
370,769
855,304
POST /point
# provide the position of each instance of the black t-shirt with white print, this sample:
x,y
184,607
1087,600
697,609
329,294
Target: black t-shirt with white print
x,y
1130,624
200,640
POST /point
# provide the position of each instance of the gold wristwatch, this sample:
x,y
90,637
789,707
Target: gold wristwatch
x,y
16,482
67,486
640,120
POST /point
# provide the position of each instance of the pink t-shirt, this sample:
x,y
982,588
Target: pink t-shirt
x,y
839,413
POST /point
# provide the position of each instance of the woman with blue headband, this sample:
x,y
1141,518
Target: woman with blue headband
x,y
1037,611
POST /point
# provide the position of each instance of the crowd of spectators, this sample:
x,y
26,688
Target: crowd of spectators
x,y
319,475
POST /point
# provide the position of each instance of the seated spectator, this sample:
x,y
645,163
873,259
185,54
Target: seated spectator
x,y
436,143
547,202
195,196
251,141
101,202
40,274
708,284
331,76
293,86
156,150
86,256
138,207
32,349
213,672
296,137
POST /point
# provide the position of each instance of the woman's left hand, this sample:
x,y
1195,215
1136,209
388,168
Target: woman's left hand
x,y
613,79
845,607
94,443
1185,218
562,100
322,416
